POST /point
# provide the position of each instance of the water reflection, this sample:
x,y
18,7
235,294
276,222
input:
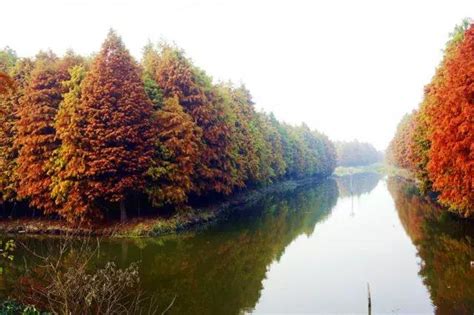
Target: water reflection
x,y
357,184
218,270
303,251
445,246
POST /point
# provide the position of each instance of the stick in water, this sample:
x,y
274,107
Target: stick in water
x,y
369,298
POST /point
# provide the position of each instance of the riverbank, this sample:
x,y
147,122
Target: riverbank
x,y
152,226
379,168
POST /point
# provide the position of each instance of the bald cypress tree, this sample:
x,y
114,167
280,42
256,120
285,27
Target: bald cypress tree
x,y
113,134
177,149
35,137
9,105
62,173
176,76
7,121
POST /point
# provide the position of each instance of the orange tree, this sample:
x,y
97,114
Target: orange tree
x,y
36,135
20,72
451,157
7,120
112,141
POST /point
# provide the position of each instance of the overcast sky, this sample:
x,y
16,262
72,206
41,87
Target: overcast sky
x,y
350,69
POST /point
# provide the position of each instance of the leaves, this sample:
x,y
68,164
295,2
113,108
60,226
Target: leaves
x,y
77,138
435,142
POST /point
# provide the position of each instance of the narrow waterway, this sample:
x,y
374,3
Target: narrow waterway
x,y
311,250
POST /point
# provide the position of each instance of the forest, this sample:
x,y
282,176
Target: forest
x,y
435,142
355,153
83,134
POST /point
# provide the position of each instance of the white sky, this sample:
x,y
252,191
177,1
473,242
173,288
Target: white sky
x,y
350,69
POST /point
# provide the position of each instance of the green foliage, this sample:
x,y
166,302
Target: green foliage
x,y
176,149
11,307
153,91
7,250
8,59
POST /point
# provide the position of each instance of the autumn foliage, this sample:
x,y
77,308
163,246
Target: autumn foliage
x,y
176,152
6,83
436,143
36,138
81,137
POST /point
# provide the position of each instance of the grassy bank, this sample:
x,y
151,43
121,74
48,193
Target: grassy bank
x,y
379,168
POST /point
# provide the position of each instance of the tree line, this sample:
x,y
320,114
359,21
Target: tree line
x,y
82,134
436,141
355,153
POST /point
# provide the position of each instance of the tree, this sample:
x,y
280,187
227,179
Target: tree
x,y
244,132
149,64
63,176
176,76
8,59
36,138
177,144
272,159
451,160
399,151
328,154
355,153
7,120
113,132
435,142
9,104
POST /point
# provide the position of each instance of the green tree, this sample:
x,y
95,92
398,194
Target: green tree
x,y
65,156
177,143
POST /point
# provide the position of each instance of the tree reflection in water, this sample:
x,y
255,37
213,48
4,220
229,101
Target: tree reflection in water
x,y
445,246
218,270
357,184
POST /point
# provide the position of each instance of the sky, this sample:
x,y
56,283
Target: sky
x,y
350,69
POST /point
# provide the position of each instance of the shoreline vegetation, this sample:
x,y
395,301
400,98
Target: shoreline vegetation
x,y
434,143
193,218
84,138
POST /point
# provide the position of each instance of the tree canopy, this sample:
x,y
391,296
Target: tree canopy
x,y
435,143
81,137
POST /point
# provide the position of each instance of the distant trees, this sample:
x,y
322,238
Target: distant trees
x,y
79,136
436,142
355,153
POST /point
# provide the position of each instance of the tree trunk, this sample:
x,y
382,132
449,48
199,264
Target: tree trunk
x,y
123,211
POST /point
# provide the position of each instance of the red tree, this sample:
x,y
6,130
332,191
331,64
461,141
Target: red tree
x,y
113,137
451,157
36,138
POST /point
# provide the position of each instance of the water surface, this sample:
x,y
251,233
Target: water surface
x,y
311,250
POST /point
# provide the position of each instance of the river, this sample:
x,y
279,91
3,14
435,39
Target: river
x,y
312,250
